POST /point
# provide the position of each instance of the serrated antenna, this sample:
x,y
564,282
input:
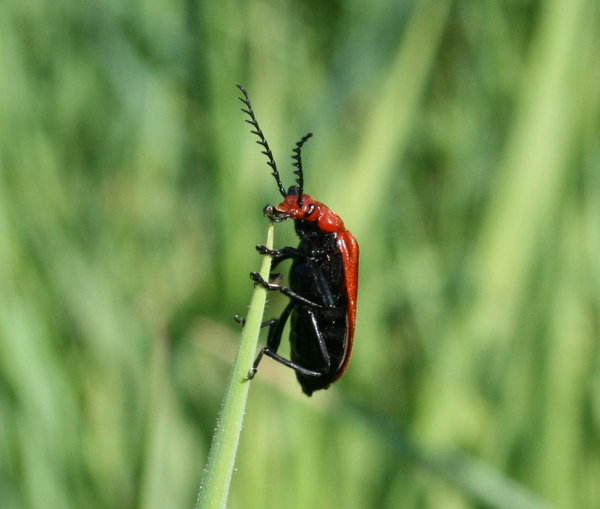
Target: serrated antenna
x,y
262,141
298,164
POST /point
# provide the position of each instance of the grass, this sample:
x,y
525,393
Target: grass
x,y
221,460
459,143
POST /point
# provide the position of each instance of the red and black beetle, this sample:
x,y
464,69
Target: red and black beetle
x,y
323,281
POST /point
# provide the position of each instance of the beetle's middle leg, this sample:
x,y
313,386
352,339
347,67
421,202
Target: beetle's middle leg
x,y
242,321
255,276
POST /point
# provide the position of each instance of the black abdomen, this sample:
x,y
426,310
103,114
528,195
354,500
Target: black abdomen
x,y
320,279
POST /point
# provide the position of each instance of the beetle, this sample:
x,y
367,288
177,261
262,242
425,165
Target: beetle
x,y
323,280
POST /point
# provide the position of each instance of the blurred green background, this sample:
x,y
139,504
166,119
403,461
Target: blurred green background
x,y
459,141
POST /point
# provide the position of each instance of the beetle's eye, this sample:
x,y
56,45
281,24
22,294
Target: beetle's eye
x,y
311,209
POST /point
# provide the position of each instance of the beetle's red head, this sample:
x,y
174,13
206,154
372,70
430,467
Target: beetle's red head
x,y
308,210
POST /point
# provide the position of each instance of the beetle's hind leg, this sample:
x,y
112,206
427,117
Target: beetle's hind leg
x,y
321,341
273,342
276,327
270,353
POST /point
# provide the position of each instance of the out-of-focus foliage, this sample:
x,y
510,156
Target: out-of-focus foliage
x,y
458,140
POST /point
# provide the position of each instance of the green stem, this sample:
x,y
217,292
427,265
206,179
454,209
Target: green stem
x,y
217,476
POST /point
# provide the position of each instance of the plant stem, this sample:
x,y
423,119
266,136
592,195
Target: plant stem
x,y
221,459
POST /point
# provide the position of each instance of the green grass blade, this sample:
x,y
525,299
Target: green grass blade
x,y
217,476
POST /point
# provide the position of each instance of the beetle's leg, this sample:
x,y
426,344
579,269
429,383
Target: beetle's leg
x,y
255,276
313,269
270,353
276,278
274,337
276,329
242,321
276,260
288,252
321,341
273,342
280,255
322,284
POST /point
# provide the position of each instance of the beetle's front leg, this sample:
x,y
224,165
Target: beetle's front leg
x,y
255,276
288,252
280,255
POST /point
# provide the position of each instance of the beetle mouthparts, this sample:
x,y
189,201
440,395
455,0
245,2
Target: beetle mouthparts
x,y
275,215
